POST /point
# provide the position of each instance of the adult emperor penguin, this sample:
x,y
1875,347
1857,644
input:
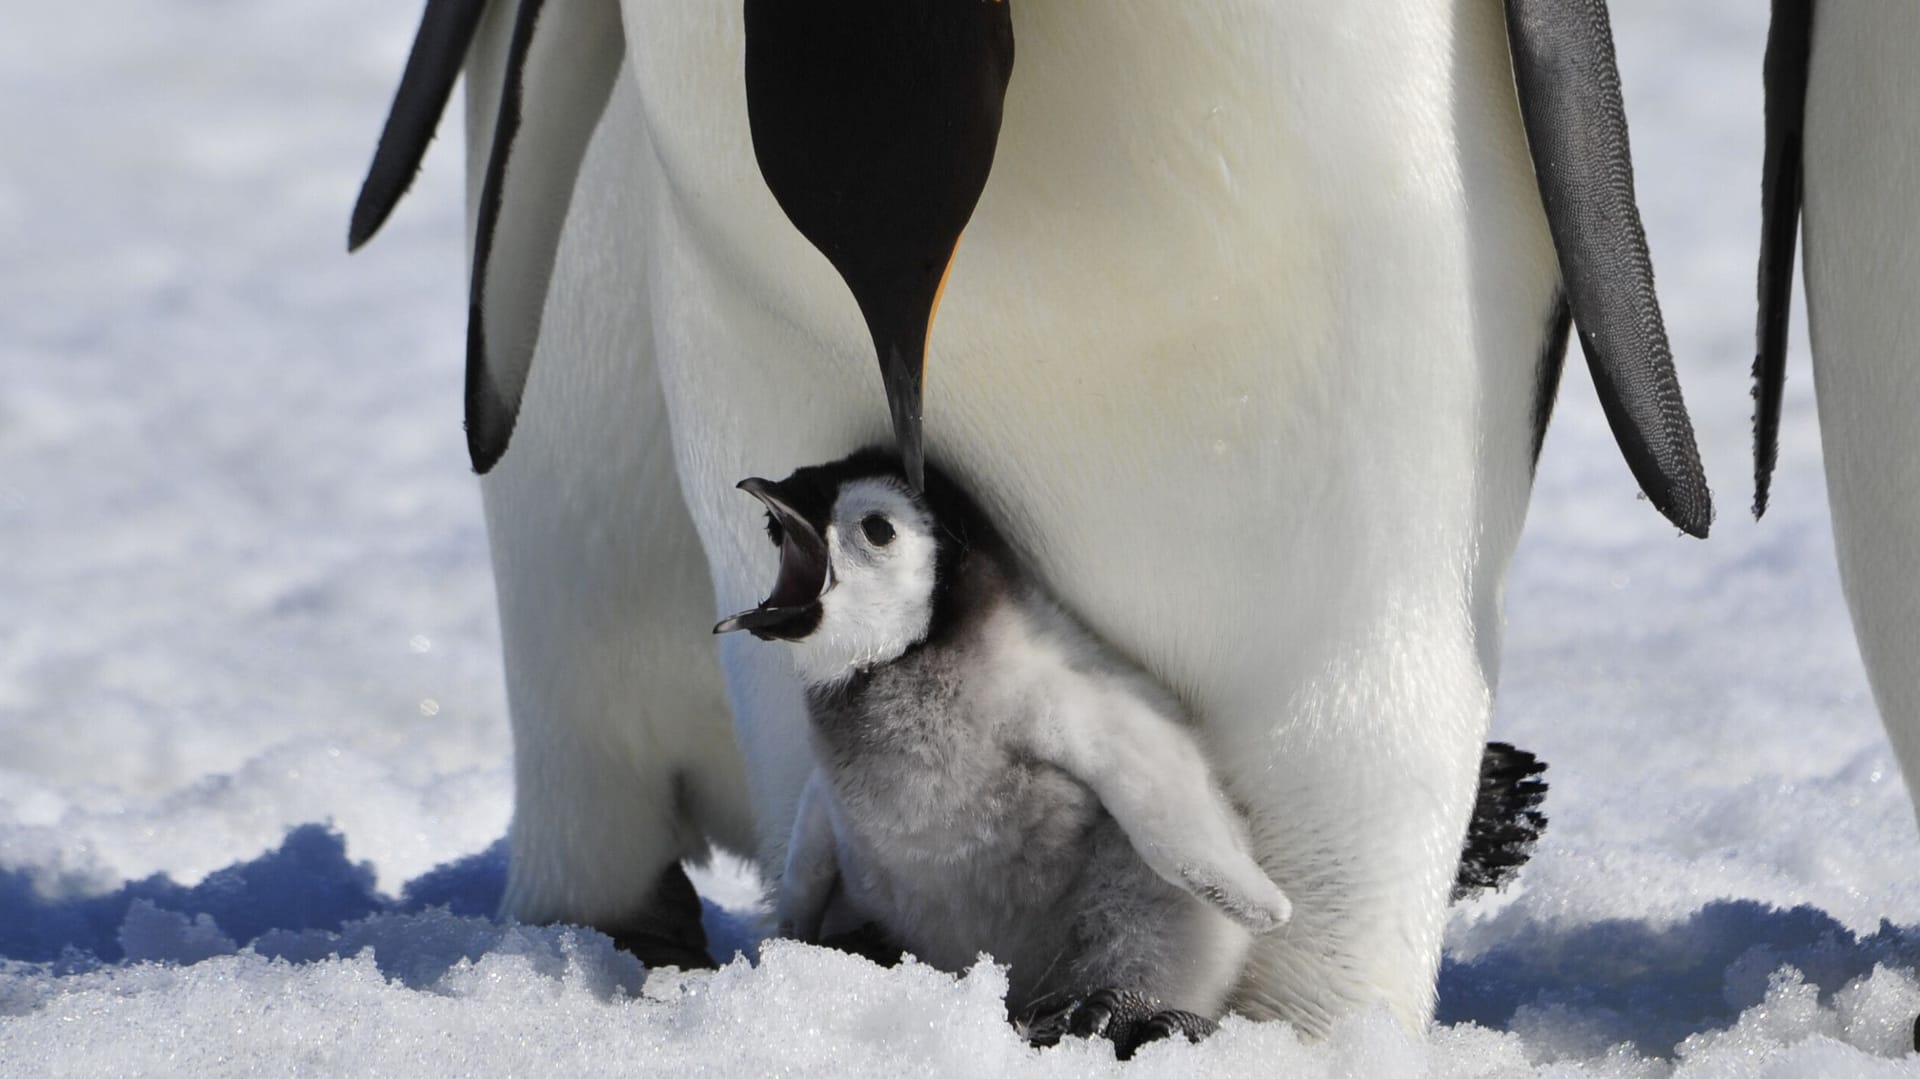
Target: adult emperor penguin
x,y
1843,136
1248,348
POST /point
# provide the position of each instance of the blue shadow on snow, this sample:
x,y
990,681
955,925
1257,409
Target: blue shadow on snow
x,y
1651,985
303,902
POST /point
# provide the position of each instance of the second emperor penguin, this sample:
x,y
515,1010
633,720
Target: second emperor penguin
x,y
988,776
1843,144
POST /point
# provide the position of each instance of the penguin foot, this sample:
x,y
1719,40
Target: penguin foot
x,y
1506,823
655,952
667,933
868,941
1127,1019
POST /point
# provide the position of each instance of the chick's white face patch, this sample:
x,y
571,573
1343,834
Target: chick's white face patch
x,y
882,551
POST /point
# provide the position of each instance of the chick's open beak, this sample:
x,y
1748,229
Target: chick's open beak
x,y
792,609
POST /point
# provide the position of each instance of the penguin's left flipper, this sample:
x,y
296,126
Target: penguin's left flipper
x,y
1789,44
1149,773
1127,1019
561,64
813,869
1569,92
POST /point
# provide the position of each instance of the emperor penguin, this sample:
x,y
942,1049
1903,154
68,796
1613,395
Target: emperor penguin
x,y
1248,351
1842,168
987,776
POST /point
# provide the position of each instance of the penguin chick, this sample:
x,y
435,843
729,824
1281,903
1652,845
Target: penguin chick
x,y
989,777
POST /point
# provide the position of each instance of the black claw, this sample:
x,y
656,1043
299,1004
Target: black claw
x,y
1165,1024
1192,1027
1094,1017
1127,1019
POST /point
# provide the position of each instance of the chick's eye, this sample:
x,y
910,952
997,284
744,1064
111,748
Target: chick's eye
x,y
878,530
774,531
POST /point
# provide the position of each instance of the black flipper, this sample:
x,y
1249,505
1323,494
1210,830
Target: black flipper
x,y
1507,820
1788,46
1546,382
439,52
1569,88
560,71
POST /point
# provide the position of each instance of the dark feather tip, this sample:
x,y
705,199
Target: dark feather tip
x,y
1507,820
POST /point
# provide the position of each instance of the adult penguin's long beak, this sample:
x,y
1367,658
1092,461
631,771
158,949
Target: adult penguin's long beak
x,y
875,122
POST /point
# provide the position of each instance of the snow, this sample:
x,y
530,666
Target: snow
x,y
253,742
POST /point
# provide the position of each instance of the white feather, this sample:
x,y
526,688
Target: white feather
x,y
1862,227
880,597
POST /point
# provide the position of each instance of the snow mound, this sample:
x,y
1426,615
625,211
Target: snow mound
x,y
296,961
518,1000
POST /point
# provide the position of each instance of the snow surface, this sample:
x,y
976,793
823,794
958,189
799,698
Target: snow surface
x,y
253,742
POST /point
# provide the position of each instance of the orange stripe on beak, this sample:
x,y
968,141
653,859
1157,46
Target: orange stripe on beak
x,y
939,292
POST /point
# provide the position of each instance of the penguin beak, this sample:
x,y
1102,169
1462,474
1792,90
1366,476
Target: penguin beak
x,y
792,610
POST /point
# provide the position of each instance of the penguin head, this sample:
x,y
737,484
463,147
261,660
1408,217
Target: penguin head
x,y
861,561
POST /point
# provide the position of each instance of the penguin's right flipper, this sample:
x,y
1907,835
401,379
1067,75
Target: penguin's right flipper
x,y
1507,820
439,52
1569,90
1789,44
561,65
1152,778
